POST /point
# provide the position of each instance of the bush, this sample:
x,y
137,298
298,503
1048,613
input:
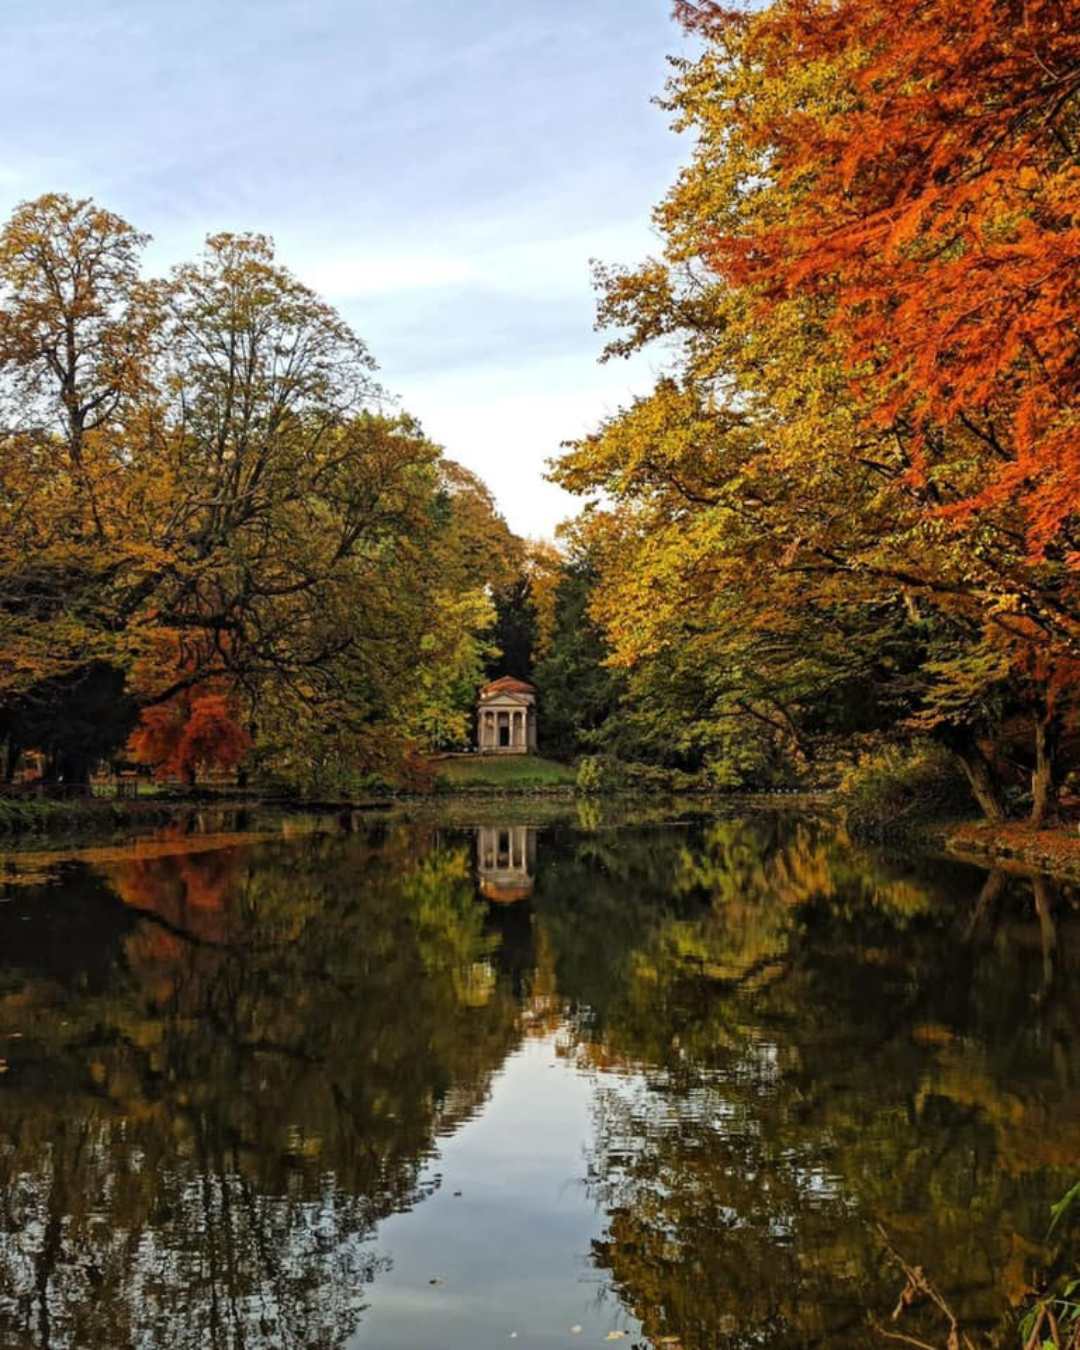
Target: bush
x,y
892,791
602,773
590,776
19,815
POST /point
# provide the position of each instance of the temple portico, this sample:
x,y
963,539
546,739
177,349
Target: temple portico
x,y
506,718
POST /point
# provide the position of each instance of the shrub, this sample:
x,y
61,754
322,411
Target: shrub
x,y
603,773
590,775
891,791
18,815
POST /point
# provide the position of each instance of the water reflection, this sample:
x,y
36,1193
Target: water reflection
x,y
506,862
230,1059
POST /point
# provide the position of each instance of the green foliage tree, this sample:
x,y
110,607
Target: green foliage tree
x,y
514,634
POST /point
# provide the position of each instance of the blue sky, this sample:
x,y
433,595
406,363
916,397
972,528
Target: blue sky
x,y
442,170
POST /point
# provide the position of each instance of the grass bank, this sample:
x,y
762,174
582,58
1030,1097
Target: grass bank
x,y
42,815
504,773
23,817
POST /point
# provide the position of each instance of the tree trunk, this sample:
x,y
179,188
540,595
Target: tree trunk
x,y
12,756
980,776
1044,777
988,896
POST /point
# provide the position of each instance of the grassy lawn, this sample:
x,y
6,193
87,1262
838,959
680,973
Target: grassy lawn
x,y
505,771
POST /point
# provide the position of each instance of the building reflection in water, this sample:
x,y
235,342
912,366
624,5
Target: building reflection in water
x,y
506,862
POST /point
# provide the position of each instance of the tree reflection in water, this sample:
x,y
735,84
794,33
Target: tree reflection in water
x,y
227,1064
830,1041
196,1144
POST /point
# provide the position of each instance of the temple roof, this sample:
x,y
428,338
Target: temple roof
x,y
505,893
507,684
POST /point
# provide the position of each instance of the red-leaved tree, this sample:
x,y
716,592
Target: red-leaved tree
x,y
192,732
930,151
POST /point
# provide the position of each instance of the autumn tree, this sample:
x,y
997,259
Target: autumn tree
x,y
77,334
191,732
853,475
927,156
204,494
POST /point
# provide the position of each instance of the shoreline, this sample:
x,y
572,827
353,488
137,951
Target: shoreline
x,y
1013,845
29,819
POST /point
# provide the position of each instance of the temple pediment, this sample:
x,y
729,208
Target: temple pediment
x,y
510,700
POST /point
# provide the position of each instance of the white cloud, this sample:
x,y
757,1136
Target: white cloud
x,y
507,428
353,277
543,265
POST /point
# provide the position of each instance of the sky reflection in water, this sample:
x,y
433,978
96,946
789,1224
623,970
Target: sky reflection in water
x,y
420,1084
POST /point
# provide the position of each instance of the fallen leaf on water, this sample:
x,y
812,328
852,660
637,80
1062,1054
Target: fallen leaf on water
x,y
615,1335
575,1330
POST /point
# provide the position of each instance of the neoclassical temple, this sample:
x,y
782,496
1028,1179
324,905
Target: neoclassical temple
x,y
506,717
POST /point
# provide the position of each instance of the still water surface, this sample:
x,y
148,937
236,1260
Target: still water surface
x,y
432,1086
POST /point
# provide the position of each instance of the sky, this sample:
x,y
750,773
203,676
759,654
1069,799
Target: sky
x,y
441,170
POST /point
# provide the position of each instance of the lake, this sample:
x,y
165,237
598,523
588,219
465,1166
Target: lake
x,y
521,1078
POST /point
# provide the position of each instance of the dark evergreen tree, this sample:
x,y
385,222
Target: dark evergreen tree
x,y
577,692
514,632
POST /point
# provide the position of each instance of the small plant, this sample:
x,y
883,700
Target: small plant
x,y
590,776
1053,1321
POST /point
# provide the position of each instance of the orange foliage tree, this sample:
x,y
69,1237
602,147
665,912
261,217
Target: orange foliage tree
x,y
930,155
195,730
850,502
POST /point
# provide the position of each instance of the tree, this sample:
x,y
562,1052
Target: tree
x,y
195,731
201,498
822,496
514,634
928,156
77,332
577,690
